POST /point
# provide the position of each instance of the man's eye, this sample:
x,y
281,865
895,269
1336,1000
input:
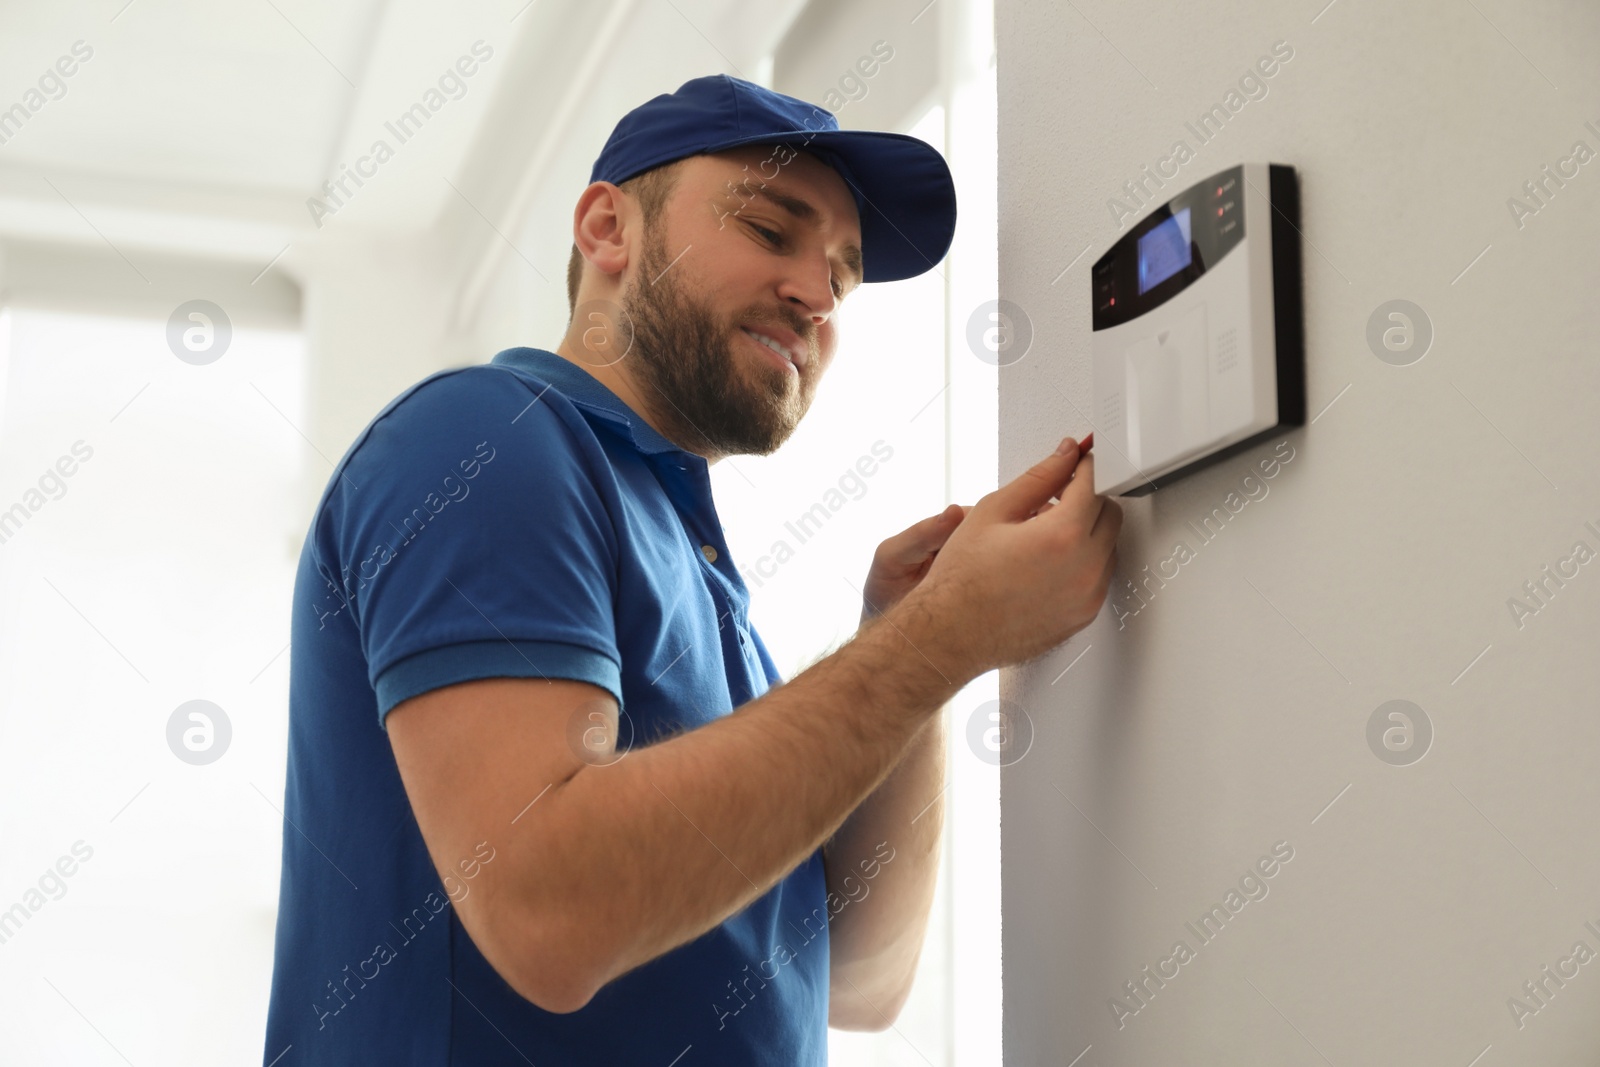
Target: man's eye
x,y
777,240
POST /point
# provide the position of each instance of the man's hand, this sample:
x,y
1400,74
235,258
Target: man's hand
x,y
1028,567
903,559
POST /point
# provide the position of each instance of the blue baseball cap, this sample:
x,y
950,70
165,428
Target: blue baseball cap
x,y
901,185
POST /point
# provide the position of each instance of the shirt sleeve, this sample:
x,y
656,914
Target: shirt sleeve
x,y
472,532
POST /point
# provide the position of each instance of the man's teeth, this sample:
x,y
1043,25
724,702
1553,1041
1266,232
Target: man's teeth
x,y
775,346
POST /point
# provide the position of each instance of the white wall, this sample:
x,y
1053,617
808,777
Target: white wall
x,y
1230,713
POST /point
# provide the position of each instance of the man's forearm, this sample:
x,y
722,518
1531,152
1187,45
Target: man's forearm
x,y
884,861
676,837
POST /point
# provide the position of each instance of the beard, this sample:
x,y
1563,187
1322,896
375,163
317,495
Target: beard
x,y
706,395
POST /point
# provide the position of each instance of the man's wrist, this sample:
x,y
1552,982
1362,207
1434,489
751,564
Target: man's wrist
x,y
922,656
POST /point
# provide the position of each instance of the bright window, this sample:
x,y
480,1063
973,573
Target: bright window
x,y
157,572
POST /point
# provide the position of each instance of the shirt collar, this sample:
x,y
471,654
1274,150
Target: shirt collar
x,y
585,390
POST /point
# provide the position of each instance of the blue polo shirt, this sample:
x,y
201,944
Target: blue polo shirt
x,y
512,519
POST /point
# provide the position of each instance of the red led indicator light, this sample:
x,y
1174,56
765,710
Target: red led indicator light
x,y
1219,212
1219,190
1113,302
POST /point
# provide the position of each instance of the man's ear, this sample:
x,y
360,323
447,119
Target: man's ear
x,y
601,227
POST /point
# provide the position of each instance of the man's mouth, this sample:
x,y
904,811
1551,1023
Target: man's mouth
x,y
792,352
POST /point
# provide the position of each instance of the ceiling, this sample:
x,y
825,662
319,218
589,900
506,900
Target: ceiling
x,y
203,129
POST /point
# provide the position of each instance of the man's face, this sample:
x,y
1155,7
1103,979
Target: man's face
x,y
728,260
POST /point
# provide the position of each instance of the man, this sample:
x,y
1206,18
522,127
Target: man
x,y
547,801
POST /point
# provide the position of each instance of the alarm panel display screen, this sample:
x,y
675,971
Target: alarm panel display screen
x,y
1164,251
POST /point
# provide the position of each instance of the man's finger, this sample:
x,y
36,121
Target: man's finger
x,y
916,541
1108,524
1033,488
1078,500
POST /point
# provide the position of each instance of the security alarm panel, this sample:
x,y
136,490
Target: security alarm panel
x,y
1198,345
